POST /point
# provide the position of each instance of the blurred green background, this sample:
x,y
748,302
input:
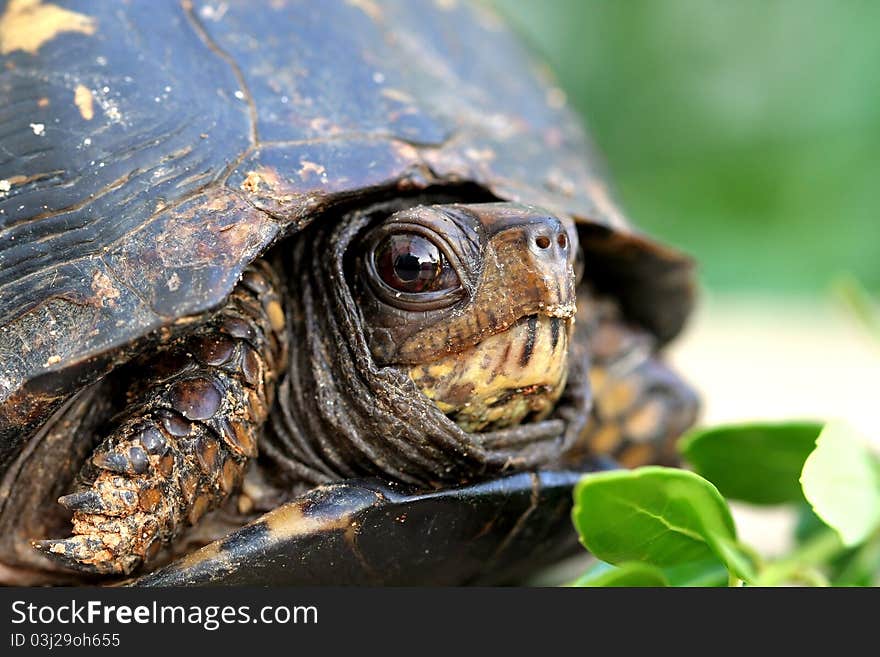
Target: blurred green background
x,y
746,132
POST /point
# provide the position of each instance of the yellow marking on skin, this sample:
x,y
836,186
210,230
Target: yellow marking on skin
x,y
245,504
606,439
598,377
441,370
82,98
633,457
28,24
465,388
643,423
617,398
276,315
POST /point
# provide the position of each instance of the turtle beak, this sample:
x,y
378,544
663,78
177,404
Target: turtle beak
x,y
536,260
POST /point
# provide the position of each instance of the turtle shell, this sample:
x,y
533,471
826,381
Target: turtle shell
x,y
150,152
373,533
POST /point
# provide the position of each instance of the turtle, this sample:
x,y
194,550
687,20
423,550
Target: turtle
x,y
322,293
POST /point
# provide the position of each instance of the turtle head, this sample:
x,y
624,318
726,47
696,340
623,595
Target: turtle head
x,y
476,303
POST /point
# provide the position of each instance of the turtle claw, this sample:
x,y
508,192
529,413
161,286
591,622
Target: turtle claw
x,y
86,501
112,497
82,553
109,537
103,543
112,462
87,554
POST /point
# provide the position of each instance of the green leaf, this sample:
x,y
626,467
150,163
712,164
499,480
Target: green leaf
x,y
844,569
693,574
841,484
807,524
859,567
697,573
759,462
804,563
628,574
661,516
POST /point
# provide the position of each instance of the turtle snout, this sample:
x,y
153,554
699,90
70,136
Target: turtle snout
x,y
549,259
549,241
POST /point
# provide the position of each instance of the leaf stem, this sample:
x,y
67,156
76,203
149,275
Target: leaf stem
x,y
812,577
817,551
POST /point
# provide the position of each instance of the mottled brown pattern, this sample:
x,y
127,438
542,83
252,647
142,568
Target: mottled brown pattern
x,y
640,406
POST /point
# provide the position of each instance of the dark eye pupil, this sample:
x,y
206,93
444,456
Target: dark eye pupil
x,y
408,267
411,263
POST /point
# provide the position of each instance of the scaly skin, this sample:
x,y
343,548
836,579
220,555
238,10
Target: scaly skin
x,y
187,433
640,405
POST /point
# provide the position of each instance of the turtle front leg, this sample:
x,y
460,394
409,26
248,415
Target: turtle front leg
x,y
181,445
640,405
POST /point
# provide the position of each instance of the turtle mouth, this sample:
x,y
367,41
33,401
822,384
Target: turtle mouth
x,y
512,376
559,318
559,310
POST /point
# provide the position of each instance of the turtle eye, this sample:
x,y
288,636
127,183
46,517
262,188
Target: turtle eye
x,y
407,262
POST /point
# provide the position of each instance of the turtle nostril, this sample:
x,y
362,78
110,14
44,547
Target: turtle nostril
x,y
542,242
562,240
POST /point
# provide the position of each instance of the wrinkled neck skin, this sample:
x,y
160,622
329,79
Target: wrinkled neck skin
x,y
352,405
